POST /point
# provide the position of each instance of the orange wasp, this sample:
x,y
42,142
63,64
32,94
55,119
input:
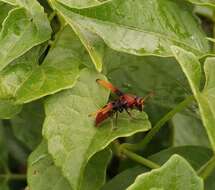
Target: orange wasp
x,y
124,102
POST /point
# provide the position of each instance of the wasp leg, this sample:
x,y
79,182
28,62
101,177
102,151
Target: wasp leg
x,y
129,113
114,124
116,119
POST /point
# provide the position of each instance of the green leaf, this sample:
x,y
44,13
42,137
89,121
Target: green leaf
x,y
208,3
209,69
71,132
195,155
4,186
59,70
3,149
4,9
192,69
80,4
189,130
124,179
27,125
24,28
42,173
141,75
41,168
12,2
95,172
15,74
176,173
94,45
8,109
140,27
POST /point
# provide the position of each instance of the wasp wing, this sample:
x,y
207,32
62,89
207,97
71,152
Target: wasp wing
x,y
103,113
109,86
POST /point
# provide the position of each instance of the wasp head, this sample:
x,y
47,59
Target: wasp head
x,y
139,104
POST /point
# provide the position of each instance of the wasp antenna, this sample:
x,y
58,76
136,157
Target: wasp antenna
x,y
97,80
149,95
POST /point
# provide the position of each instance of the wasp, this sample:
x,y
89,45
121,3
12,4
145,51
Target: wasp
x,y
124,102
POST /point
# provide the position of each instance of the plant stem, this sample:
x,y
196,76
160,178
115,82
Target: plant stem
x,y
140,159
13,176
142,144
207,168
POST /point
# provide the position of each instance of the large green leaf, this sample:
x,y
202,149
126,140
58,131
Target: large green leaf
x,y
140,27
27,125
42,169
195,155
13,77
71,134
141,75
189,130
59,70
8,109
94,45
192,69
23,28
176,174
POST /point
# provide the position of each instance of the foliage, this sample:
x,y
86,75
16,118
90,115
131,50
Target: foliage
x,y
52,52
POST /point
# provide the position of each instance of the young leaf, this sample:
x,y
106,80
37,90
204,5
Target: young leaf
x,y
24,28
140,27
71,134
59,70
41,168
176,173
192,69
